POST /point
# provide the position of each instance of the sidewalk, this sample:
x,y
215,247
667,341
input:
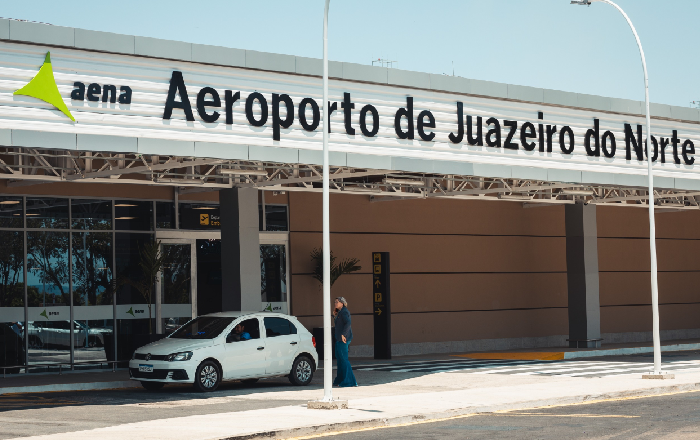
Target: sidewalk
x,y
106,379
420,398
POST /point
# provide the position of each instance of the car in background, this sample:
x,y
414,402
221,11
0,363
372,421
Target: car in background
x,y
228,346
57,333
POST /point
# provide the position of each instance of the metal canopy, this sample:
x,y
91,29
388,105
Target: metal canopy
x,y
30,166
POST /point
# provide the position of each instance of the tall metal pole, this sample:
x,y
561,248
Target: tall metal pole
x,y
652,223
327,347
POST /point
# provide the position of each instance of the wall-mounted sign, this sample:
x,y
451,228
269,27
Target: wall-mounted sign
x,y
381,304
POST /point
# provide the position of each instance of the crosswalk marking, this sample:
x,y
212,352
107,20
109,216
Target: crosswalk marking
x,y
565,368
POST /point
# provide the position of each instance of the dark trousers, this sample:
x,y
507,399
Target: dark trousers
x,y
345,378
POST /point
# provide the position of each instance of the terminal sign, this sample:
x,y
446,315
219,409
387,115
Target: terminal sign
x,y
381,305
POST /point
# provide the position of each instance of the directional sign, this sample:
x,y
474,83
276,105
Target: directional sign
x,y
382,305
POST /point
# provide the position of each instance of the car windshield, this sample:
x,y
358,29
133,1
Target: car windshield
x,y
205,327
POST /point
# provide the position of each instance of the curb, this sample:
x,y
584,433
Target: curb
x,y
629,350
71,387
400,420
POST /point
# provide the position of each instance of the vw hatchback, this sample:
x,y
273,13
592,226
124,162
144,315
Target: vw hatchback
x,y
228,346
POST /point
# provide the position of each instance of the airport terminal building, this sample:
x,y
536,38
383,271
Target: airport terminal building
x,y
514,216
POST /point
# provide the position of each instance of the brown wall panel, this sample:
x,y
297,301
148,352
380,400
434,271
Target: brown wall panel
x,y
438,292
638,319
614,221
355,213
424,253
439,327
111,190
617,254
620,288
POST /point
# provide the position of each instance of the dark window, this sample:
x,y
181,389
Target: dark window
x,y
11,212
200,216
127,249
12,269
279,327
47,268
47,213
133,215
276,218
165,215
205,327
92,268
250,326
91,214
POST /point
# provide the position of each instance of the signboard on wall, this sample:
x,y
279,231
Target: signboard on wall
x,y
381,296
153,106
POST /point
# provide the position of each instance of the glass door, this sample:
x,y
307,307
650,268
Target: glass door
x,y
274,270
177,285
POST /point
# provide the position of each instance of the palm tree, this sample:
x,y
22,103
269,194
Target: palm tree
x,y
346,266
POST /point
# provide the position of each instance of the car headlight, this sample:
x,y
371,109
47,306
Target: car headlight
x,y
184,356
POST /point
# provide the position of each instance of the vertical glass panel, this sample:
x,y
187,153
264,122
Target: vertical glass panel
x,y
47,213
199,216
276,218
273,272
133,215
47,269
165,215
176,278
128,255
91,339
91,214
208,276
11,269
11,212
12,299
92,268
49,340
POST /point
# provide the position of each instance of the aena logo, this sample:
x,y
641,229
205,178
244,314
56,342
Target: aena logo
x,y
43,86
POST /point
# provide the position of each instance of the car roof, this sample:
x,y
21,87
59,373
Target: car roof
x,y
239,314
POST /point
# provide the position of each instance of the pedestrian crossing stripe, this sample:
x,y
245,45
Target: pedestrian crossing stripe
x,y
528,368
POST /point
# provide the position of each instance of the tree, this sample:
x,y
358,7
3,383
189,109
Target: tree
x,y
348,265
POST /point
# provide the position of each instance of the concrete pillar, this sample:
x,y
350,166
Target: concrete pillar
x,y
582,276
240,250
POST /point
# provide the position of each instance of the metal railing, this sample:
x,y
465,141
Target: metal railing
x,y
60,366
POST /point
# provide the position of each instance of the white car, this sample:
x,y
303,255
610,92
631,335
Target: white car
x,y
228,346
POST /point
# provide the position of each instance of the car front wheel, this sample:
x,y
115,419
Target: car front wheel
x,y
302,371
208,377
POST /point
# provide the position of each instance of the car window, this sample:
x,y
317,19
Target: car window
x,y
204,327
249,329
279,327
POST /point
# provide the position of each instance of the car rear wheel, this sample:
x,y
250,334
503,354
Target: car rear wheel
x,y
208,377
152,386
302,371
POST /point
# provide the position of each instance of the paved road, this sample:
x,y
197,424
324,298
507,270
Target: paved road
x,y
45,413
663,417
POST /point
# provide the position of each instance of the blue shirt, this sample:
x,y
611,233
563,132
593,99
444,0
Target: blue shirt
x,y
245,336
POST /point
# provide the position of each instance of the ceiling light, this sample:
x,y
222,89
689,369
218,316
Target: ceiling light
x,y
577,192
412,182
31,214
244,172
121,218
514,197
125,204
206,207
9,202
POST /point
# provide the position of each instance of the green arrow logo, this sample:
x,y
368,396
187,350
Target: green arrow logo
x,y
131,312
268,308
43,86
44,314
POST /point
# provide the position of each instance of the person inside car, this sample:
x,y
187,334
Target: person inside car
x,y
239,333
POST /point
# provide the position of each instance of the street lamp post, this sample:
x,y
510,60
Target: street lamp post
x,y
327,348
652,223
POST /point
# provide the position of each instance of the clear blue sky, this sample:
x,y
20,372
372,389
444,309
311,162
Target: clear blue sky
x,y
541,43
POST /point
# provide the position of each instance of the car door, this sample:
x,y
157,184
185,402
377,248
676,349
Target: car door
x,y
244,358
282,344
